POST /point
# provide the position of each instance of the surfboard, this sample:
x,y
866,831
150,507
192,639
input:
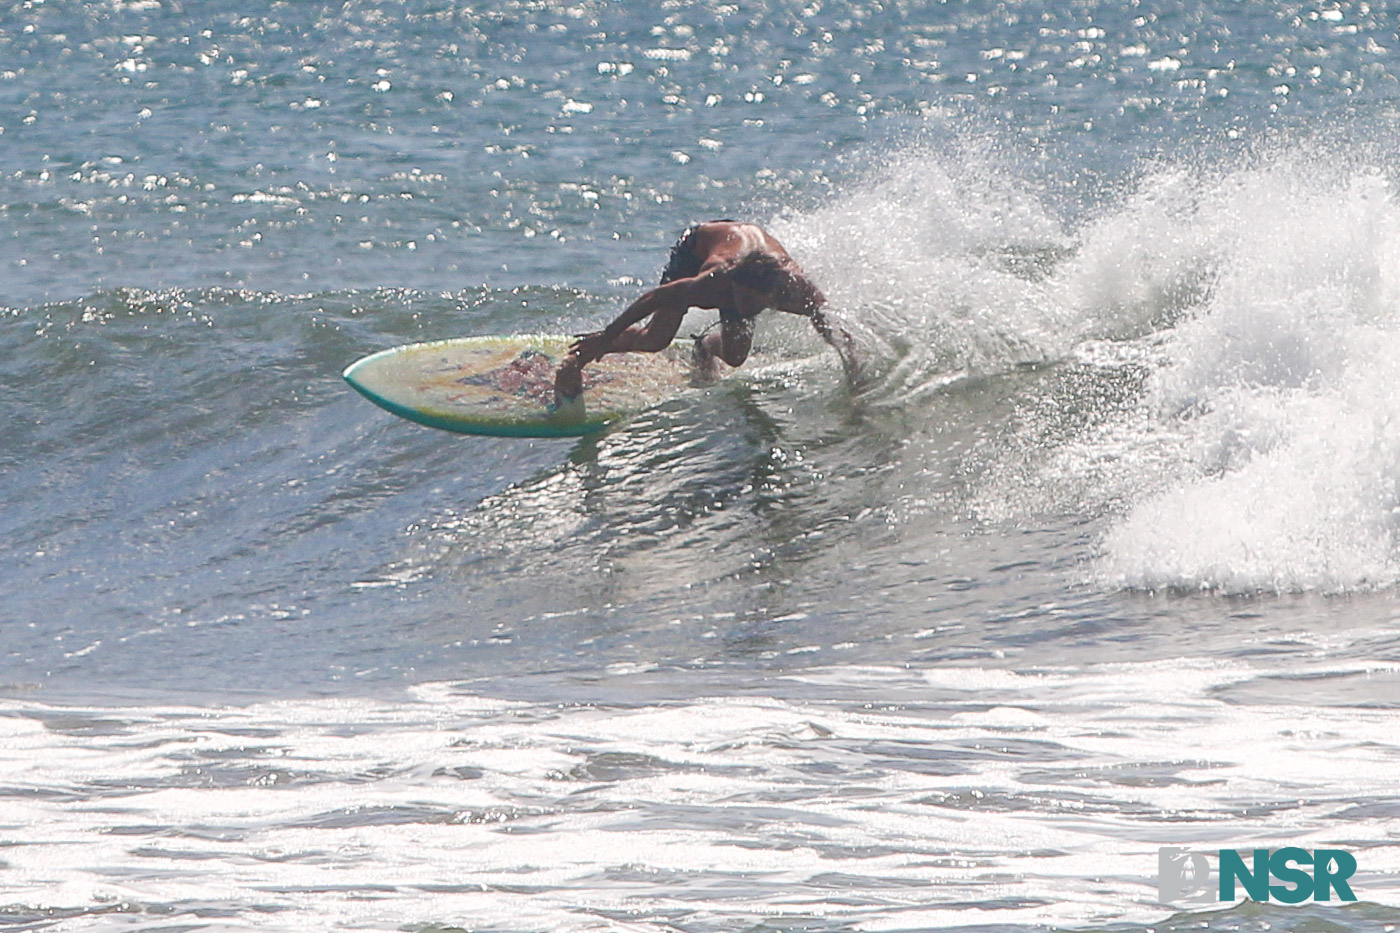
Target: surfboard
x,y
504,386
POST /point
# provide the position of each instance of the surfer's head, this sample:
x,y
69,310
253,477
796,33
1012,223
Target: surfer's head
x,y
779,279
760,271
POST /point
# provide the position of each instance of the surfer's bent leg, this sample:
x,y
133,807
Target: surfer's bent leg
x,y
733,341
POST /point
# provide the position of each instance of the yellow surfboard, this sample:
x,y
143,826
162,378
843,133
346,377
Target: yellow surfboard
x,y
504,386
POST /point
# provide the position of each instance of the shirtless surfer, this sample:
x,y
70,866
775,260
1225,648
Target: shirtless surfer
x,y
736,268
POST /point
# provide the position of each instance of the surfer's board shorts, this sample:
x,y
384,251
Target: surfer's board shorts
x,y
684,264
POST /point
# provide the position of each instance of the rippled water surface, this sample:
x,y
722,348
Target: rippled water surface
x,y
1101,558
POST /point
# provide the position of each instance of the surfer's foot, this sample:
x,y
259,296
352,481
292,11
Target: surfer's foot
x,y
704,366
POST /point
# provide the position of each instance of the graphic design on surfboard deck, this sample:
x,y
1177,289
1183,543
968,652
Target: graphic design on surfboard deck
x,y
505,385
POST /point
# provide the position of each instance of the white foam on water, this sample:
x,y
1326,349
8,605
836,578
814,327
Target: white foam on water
x,y
1261,298
1279,389
894,801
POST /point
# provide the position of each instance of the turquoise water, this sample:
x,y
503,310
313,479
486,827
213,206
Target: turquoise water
x,y
1103,558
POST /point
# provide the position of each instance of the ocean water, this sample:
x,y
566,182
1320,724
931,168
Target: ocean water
x,y
1103,557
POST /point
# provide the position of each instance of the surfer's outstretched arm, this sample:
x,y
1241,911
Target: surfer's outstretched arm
x,y
660,304
840,340
666,305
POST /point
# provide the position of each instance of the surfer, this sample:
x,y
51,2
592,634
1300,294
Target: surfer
x,y
735,268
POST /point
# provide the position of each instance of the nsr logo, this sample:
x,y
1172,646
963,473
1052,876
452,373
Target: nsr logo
x,y
1184,876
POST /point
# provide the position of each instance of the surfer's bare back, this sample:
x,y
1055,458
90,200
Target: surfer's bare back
x,y
735,268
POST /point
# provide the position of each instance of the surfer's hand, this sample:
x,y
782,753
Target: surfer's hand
x,y
588,347
568,381
855,374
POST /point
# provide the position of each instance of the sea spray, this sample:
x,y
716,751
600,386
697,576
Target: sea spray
x,y
938,259
1261,455
1224,338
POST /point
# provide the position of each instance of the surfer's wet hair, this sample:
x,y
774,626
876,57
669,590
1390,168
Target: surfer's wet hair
x,y
760,271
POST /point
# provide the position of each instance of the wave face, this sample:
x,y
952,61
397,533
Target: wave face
x,y
1197,376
